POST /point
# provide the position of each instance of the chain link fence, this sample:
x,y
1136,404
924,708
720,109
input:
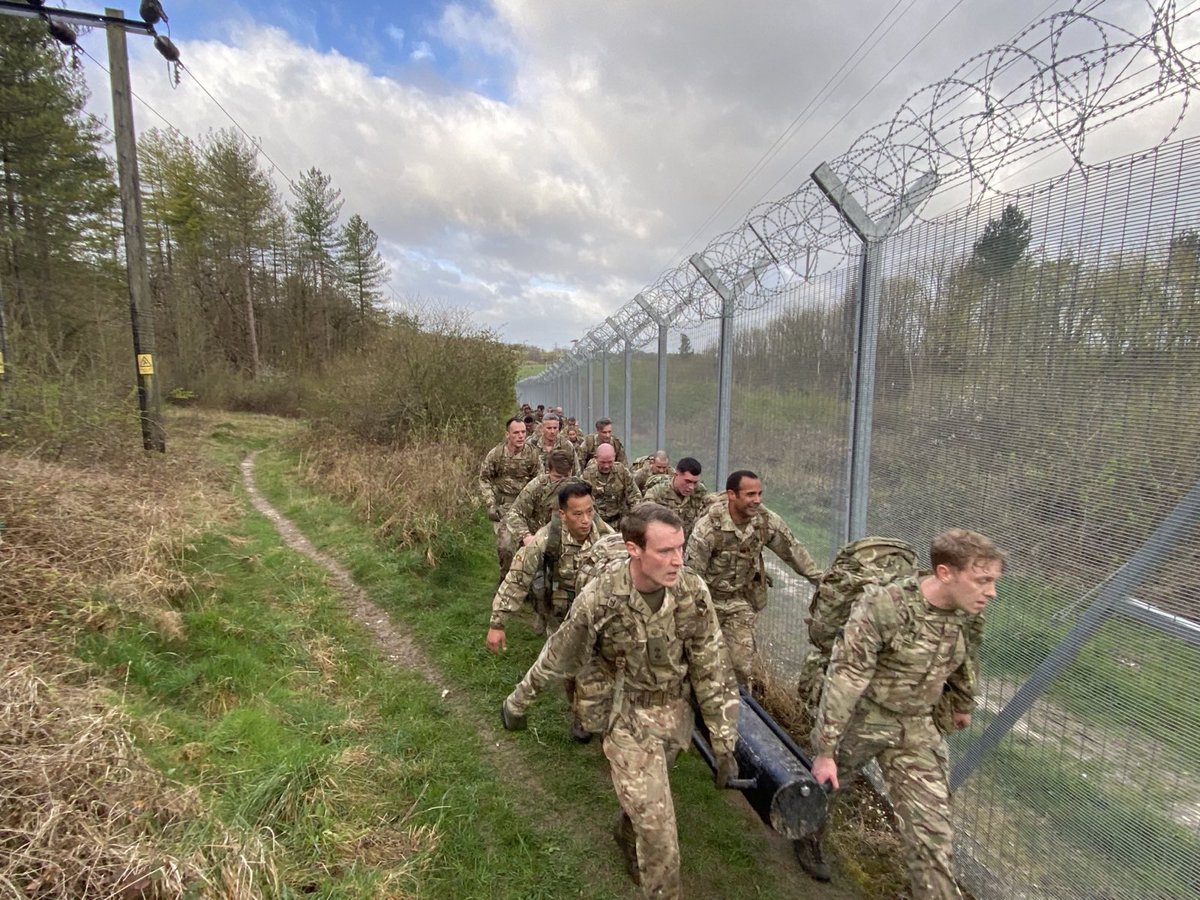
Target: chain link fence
x,y
1028,366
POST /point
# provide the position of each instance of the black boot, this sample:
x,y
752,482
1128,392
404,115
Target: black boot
x,y
510,720
626,839
811,858
579,734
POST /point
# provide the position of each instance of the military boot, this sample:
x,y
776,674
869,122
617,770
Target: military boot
x,y
510,720
811,857
626,839
579,734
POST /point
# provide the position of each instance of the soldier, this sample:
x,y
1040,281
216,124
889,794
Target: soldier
x,y
612,485
603,435
647,469
637,635
539,412
682,493
577,529
551,438
902,645
574,436
506,469
537,501
726,550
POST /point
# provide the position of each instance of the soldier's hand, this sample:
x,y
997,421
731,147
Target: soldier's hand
x,y
527,540
824,770
496,640
727,768
961,721
494,514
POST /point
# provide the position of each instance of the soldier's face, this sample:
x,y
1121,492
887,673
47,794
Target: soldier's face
x,y
660,468
605,433
577,516
746,501
550,431
516,435
605,457
662,557
685,483
971,588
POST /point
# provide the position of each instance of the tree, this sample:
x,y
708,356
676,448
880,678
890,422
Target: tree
x,y
314,216
239,198
685,345
363,269
1003,242
56,218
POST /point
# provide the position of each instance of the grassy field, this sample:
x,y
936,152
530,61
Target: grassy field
x,y
350,775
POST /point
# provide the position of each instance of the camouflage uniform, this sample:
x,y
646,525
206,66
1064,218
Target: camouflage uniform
x,y
730,559
534,507
501,477
642,472
614,494
632,668
587,452
528,565
689,508
888,670
562,443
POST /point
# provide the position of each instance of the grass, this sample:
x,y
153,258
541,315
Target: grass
x,y
283,711
446,609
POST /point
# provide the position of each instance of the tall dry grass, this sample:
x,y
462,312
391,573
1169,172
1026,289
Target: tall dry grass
x,y
82,812
421,495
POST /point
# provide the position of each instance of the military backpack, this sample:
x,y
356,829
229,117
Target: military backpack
x,y
869,560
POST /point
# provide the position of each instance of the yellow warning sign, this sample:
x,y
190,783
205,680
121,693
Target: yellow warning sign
x,y
1,363
145,364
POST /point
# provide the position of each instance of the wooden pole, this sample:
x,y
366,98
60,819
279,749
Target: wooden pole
x,y
141,312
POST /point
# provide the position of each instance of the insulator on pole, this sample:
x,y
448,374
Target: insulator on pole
x,y
152,12
62,33
166,47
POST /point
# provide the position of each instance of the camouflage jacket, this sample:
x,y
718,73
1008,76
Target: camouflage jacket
x,y
615,493
533,507
623,656
730,559
644,477
897,653
587,451
530,560
561,444
688,508
503,474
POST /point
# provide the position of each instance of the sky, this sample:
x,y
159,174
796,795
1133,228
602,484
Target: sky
x,y
539,163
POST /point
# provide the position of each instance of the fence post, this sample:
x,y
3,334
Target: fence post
x,y
870,289
724,365
604,382
627,419
660,427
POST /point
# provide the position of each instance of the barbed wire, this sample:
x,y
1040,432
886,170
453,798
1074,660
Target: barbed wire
x,y
1052,87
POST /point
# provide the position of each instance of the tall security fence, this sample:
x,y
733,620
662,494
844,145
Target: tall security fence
x,y
1025,363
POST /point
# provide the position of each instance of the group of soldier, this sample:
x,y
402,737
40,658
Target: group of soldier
x,y
649,586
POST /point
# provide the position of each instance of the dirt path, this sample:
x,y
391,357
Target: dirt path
x,y
397,647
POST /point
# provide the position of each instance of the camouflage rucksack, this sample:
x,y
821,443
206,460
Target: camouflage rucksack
x,y
602,554
869,560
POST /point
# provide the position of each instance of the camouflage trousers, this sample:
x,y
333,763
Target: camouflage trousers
x,y
738,618
641,747
504,546
916,768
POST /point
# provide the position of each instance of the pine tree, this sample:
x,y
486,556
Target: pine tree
x,y
363,269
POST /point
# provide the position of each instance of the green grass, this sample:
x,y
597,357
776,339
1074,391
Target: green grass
x,y
285,715
446,608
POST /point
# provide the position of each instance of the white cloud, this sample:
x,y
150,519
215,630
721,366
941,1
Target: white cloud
x,y
623,127
421,52
396,34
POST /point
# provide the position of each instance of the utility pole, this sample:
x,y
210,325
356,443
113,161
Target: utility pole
x,y
141,310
